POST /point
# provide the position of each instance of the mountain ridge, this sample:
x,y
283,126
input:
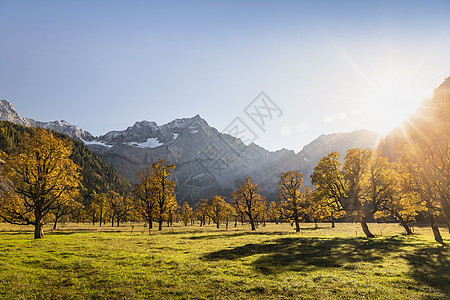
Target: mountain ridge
x,y
208,162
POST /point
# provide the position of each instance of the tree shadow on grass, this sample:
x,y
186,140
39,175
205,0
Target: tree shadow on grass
x,y
431,266
298,254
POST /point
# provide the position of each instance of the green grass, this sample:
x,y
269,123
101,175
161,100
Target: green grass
x,y
86,262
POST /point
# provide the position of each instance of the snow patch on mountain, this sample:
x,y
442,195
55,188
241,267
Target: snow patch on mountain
x,y
96,143
150,143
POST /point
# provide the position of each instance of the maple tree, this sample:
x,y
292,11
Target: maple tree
x,y
247,201
186,213
216,209
38,178
145,193
293,194
164,197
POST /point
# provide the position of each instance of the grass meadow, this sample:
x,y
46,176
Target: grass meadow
x,y
81,261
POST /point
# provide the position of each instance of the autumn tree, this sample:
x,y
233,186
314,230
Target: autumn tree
x,y
402,202
426,186
321,210
427,151
145,192
377,184
90,211
248,201
228,213
119,207
200,211
185,213
318,211
275,212
330,185
38,179
66,209
165,201
217,209
353,187
293,194
100,205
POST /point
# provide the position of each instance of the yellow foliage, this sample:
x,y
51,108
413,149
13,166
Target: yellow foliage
x,y
39,178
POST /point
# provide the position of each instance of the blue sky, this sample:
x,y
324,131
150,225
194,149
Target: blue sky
x,y
330,66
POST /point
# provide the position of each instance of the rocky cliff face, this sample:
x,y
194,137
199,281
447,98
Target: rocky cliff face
x,y
207,162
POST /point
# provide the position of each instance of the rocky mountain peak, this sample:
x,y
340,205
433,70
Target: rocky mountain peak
x,y
187,122
148,134
8,113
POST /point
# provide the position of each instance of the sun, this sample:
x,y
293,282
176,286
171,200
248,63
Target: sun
x,y
390,101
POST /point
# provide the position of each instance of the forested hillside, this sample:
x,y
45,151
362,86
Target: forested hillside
x,y
97,175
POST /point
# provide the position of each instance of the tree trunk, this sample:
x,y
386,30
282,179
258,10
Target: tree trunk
x,y
112,221
118,222
217,224
332,222
57,216
38,229
101,216
407,228
38,226
435,228
252,223
160,224
404,224
56,222
297,225
365,228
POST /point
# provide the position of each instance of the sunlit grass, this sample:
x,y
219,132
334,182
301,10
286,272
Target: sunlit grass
x,y
90,262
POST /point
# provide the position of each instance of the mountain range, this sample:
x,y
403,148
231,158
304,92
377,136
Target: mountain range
x,y
208,162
